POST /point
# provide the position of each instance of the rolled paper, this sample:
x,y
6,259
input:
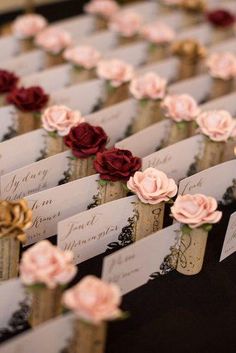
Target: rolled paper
x,y
9,256
111,190
81,75
221,87
115,95
82,167
178,132
150,219
158,52
88,338
52,60
212,154
192,251
26,122
46,304
54,144
149,112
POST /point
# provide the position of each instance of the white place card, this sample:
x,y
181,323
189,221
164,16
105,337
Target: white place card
x,y
148,10
102,41
8,122
142,261
202,33
167,68
229,246
90,233
213,181
134,54
15,153
226,45
78,26
175,160
226,102
35,177
25,64
10,47
58,203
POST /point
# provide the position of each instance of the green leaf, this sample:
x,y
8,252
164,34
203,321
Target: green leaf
x,y
181,125
36,286
207,227
102,182
52,134
143,102
186,229
125,187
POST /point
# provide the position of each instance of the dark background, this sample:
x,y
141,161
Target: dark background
x,y
174,313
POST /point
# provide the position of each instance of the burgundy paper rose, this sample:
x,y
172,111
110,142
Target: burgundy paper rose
x,y
8,81
31,99
221,18
86,140
116,164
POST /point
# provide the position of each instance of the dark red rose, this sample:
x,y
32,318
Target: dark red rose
x,y
31,99
86,140
8,81
221,18
116,164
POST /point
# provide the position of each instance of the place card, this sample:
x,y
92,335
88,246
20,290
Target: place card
x,y
15,153
143,261
40,339
167,68
229,246
226,102
218,182
134,54
35,177
11,47
102,40
78,26
148,10
97,230
86,97
52,206
201,33
8,122
176,160
25,64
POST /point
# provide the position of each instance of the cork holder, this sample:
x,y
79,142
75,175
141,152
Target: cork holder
x,y
52,60
111,191
212,155
221,87
26,122
116,95
2,100
26,45
192,251
221,34
148,113
9,257
158,52
82,168
100,23
54,145
178,133
78,75
187,68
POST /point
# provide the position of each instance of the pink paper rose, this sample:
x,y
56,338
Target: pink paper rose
x,y
53,40
83,56
148,86
222,65
152,186
218,125
195,210
126,22
46,264
115,71
158,33
172,2
103,8
60,119
94,300
27,26
180,107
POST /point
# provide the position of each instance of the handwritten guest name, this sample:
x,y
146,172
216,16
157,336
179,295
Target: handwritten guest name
x,y
157,161
15,182
192,185
77,226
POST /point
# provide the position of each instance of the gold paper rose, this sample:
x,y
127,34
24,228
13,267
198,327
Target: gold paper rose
x,y
194,5
189,49
15,218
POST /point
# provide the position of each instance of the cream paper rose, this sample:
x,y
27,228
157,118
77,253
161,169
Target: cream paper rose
x,y
53,40
222,65
126,22
115,71
148,86
195,210
180,107
84,56
27,26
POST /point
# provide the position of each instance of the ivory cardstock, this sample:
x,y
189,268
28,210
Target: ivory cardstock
x,y
134,54
35,177
25,64
8,122
142,261
15,153
11,47
102,40
58,203
226,102
37,340
229,246
218,182
78,26
92,232
166,68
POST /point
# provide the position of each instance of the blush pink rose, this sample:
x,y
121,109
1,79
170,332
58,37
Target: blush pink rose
x,y
158,33
103,8
152,186
222,65
218,125
46,264
60,119
195,210
180,107
94,300
172,2
53,40
148,86
115,71
83,56
126,22
27,26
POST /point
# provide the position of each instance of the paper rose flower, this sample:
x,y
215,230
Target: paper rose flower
x,y
180,107
53,40
46,264
195,210
83,56
126,22
148,86
28,26
152,186
86,140
94,300
103,8
218,125
32,99
171,2
115,71
221,18
60,119
158,33
116,164
8,81
222,65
